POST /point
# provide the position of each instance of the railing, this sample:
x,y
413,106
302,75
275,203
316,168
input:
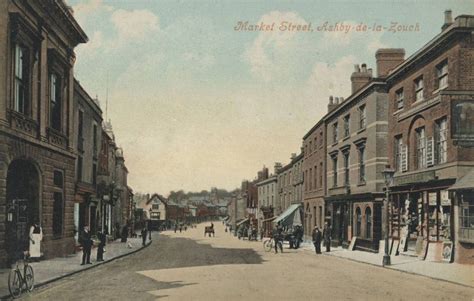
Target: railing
x,y
23,123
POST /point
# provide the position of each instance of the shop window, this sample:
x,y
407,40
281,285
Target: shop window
x,y
58,203
358,222
368,222
466,217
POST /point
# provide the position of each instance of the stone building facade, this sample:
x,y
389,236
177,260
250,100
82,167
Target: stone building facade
x,y
431,144
356,156
314,170
37,142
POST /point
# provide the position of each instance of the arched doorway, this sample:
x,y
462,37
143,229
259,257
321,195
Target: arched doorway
x,y
23,184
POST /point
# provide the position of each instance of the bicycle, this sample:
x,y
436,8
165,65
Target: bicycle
x,y
268,244
18,281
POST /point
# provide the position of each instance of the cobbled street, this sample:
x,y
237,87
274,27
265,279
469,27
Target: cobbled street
x,y
189,266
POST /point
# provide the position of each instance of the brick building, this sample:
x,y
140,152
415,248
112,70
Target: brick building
x,y
431,97
314,169
36,124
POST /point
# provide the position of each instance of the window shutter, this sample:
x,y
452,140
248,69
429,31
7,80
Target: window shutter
x,y
404,150
429,151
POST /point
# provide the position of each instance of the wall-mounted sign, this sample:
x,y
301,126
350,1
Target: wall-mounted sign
x,y
462,128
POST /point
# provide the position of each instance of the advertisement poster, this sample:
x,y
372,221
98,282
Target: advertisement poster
x,y
160,149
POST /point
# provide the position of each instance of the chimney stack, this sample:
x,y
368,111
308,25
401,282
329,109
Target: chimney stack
x,y
448,19
360,77
387,59
331,105
277,167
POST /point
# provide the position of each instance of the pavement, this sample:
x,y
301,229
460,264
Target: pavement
x,y
190,266
47,271
451,272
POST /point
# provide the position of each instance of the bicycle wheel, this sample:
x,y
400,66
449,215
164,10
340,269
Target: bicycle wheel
x,y
14,283
267,245
29,278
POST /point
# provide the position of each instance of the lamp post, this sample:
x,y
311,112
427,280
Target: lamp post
x,y
388,176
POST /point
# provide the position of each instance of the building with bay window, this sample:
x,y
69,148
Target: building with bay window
x,y
37,142
431,144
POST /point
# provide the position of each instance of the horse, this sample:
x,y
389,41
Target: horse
x,y
209,230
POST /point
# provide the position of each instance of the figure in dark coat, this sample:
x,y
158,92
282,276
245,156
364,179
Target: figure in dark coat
x,y
327,237
124,233
100,249
86,243
144,233
317,236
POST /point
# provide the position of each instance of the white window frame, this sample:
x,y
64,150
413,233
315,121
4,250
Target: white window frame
x,y
442,74
399,98
419,89
420,143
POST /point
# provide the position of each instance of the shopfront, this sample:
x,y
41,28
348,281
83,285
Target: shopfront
x,y
421,221
462,193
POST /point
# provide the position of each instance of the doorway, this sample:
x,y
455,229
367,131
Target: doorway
x,y
23,190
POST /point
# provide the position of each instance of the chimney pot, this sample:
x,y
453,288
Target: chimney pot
x,y
448,19
336,101
356,68
364,68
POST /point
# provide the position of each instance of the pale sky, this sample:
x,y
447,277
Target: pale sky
x,y
196,104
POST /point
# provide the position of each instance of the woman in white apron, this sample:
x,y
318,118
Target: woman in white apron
x,y
36,236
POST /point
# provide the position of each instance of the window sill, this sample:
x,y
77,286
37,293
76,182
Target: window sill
x,y
361,130
361,184
345,138
397,111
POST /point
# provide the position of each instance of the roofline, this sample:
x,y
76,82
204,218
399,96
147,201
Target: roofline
x,y
73,22
314,127
90,101
431,44
372,83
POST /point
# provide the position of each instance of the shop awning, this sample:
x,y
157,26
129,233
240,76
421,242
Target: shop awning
x,y
289,216
242,221
464,183
269,219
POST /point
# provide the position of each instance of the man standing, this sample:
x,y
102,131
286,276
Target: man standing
x,y
277,238
86,243
317,239
100,249
327,237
